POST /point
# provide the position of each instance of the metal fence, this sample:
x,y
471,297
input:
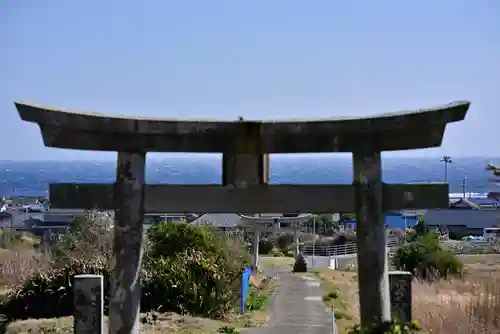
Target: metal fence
x,y
350,248
458,247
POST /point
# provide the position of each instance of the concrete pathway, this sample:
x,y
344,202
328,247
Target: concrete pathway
x,y
296,307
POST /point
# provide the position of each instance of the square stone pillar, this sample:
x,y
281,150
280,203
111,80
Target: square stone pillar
x,y
371,238
255,246
88,303
401,295
125,300
296,239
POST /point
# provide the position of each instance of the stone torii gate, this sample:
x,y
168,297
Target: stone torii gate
x,y
245,145
262,220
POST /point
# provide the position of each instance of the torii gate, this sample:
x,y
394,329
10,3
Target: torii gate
x,y
245,145
262,220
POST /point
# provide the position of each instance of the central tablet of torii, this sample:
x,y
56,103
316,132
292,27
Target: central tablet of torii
x,y
245,146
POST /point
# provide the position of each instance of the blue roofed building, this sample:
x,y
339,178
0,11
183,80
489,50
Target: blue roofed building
x,y
393,220
484,202
468,215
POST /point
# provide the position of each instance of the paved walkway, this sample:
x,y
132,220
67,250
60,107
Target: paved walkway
x,y
296,308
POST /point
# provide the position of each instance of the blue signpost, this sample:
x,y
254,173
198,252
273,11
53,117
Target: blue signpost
x,y
245,280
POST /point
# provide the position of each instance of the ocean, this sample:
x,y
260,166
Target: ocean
x,y
24,178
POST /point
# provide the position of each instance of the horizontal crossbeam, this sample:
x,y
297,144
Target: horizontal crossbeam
x,y
281,198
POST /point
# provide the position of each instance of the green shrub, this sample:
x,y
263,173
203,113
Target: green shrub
x,y
278,254
332,295
300,265
284,241
265,246
193,269
444,264
256,300
192,282
228,330
388,327
426,259
169,239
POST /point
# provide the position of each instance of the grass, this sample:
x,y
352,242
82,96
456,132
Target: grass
x,y
340,295
271,262
164,323
461,306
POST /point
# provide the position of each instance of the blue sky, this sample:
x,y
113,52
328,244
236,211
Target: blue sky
x,y
257,59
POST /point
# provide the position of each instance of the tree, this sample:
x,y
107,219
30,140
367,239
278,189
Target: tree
x,y
420,228
324,223
495,169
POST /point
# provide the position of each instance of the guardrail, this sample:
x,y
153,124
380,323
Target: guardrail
x,y
463,247
472,247
346,249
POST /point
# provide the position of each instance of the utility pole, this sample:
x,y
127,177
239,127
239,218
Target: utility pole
x,y
446,160
464,186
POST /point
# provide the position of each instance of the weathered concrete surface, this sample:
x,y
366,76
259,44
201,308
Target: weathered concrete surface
x,y
371,238
124,305
255,246
254,198
296,308
401,295
239,172
394,131
254,168
88,303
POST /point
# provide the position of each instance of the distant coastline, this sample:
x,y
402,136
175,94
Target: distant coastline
x,y
31,178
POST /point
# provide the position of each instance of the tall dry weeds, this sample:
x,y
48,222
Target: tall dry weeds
x,y
467,306
19,263
88,238
18,259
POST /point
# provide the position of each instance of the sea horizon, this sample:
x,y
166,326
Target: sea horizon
x,y
31,178
153,156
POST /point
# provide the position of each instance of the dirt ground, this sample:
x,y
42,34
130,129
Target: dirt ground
x,y
164,323
271,262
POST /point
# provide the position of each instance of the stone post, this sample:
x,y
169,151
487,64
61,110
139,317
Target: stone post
x,y
401,295
255,245
371,238
88,301
296,239
124,305
276,226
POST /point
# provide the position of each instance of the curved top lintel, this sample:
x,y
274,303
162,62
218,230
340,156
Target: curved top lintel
x,y
41,114
94,131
